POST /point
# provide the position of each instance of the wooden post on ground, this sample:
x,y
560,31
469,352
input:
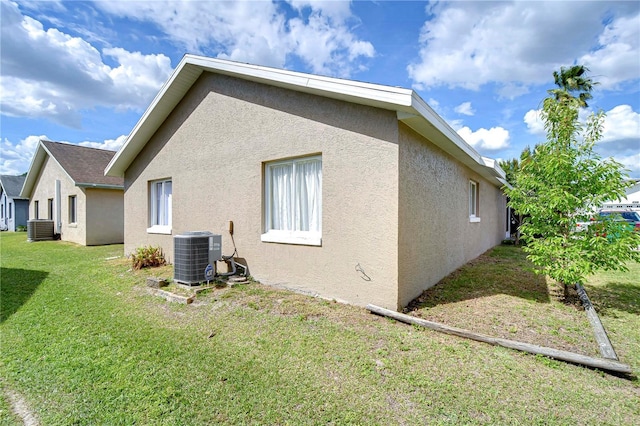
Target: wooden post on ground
x,y
599,363
606,349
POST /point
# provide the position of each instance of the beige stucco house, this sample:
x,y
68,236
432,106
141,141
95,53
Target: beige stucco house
x,y
351,191
66,183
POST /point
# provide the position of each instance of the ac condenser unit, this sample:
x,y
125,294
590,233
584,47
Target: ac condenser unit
x,y
39,230
192,253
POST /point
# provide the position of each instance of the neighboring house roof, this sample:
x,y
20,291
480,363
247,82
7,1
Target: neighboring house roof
x,y
410,108
83,165
12,185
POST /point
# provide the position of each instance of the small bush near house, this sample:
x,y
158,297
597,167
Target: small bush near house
x,y
148,256
21,228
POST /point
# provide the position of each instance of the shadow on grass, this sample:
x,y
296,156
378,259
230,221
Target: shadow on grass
x,y
18,285
503,270
615,296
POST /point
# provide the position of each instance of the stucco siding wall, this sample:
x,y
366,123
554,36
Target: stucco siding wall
x,y
214,146
435,234
105,216
45,189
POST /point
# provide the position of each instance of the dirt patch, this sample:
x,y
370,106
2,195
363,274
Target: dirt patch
x,y
21,409
503,297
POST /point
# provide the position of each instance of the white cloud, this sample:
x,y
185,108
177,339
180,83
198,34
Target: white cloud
x,y
491,140
258,31
620,134
465,109
110,144
616,59
16,158
631,163
518,44
50,74
534,122
621,123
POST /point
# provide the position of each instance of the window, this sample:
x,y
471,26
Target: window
x,y
160,200
50,208
474,202
36,209
73,209
10,209
293,201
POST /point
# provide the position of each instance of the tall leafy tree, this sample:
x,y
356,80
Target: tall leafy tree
x,y
562,182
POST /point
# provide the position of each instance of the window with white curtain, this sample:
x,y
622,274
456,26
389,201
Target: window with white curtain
x,y
160,203
293,201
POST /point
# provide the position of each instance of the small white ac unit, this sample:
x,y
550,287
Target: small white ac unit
x,y
192,253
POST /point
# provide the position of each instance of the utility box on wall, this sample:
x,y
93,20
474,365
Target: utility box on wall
x,y
192,252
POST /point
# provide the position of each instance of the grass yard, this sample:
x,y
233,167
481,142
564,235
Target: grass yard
x,y
83,342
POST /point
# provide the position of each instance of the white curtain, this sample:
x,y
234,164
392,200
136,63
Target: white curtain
x,y
308,200
281,212
163,203
296,196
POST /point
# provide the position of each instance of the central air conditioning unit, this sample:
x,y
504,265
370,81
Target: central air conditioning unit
x,y
192,253
39,230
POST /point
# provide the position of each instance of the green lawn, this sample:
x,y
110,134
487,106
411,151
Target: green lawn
x,y
83,342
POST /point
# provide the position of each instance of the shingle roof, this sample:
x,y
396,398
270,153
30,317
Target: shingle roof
x,y
12,185
84,165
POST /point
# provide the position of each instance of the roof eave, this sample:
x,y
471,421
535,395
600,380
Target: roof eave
x,y
191,67
99,186
410,108
36,163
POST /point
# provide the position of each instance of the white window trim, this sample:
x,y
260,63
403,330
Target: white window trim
x,y
292,237
308,238
155,228
474,201
159,229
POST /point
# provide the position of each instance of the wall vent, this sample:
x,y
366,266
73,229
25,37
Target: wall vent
x,y
39,230
192,252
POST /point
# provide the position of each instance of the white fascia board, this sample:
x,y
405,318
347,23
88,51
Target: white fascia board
x,y
34,169
355,91
29,180
425,120
494,167
192,66
99,186
438,122
167,98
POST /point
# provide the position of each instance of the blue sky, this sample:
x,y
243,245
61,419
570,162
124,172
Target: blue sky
x,y
84,72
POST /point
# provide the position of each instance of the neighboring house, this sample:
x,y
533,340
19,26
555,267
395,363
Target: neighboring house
x,y
630,201
14,209
66,184
351,191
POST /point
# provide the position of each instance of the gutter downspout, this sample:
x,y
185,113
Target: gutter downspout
x,y
58,222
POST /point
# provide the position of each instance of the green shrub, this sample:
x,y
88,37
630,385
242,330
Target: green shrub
x,y
148,256
21,228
